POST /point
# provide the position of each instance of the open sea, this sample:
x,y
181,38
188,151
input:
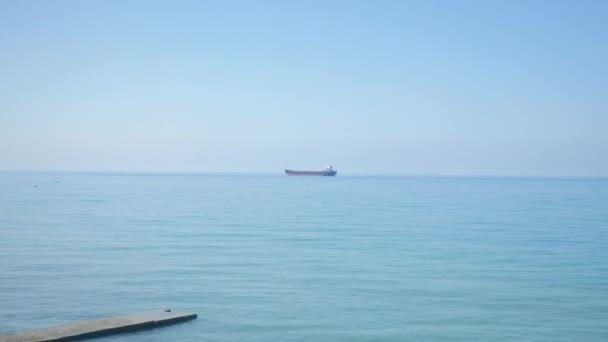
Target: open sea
x,y
276,258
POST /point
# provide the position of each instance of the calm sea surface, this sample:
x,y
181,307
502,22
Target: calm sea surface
x,y
275,258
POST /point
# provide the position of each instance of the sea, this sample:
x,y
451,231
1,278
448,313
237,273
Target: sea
x,y
276,258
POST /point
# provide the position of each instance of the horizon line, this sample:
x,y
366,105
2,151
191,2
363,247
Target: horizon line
x,y
269,173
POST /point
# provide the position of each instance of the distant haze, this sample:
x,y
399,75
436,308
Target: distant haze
x,y
399,87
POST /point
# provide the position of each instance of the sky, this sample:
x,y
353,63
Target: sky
x,y
461,87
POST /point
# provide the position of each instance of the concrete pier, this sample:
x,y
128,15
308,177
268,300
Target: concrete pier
x,y
100,327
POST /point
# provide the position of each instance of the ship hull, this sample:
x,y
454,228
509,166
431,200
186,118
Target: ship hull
x,y
311,173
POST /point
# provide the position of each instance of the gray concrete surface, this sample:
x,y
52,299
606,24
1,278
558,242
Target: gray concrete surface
x,y
100,327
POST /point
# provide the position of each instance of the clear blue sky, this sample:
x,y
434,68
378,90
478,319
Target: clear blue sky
x,y
411,87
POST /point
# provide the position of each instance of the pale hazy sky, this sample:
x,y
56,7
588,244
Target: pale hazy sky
x,y
412,87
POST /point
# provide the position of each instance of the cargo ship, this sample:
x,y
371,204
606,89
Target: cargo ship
x,y
328,171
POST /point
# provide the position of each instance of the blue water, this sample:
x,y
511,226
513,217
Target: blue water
x,y
274,258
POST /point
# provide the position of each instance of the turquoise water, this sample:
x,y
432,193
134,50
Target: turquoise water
x,y
274,258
